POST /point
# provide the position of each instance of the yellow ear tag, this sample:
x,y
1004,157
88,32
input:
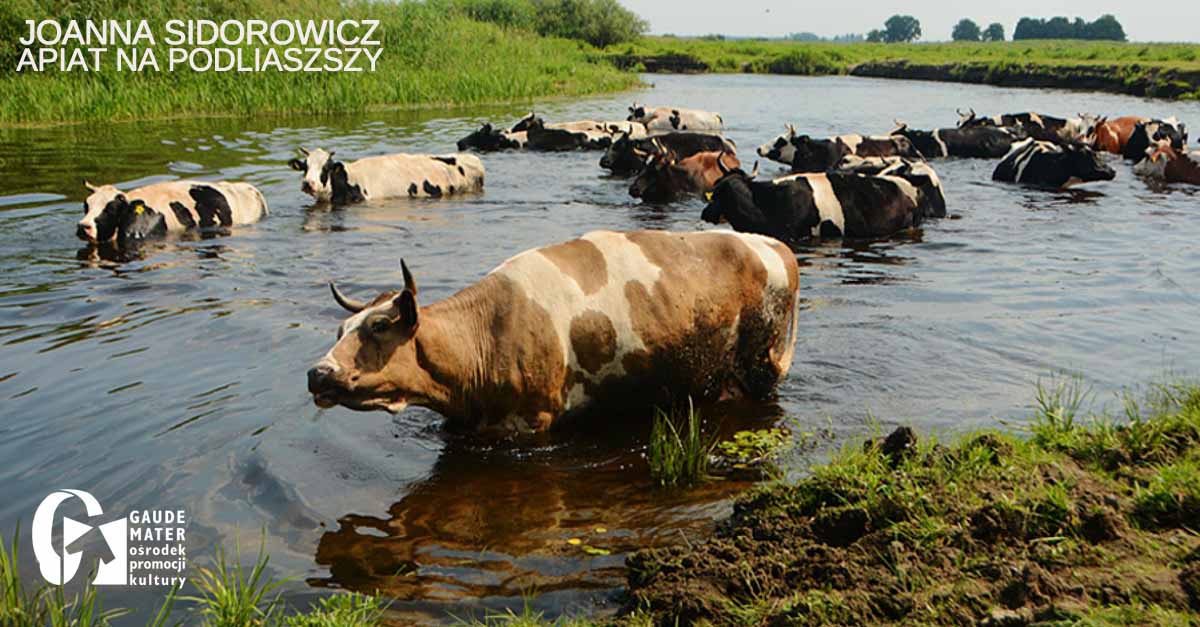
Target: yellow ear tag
x,y
140,209
708,196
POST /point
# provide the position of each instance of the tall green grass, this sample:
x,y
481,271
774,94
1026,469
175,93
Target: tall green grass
x,y
433,55
679,450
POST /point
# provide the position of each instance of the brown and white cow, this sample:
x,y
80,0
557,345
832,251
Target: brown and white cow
x,y
667,177
161,208
659,119
1164,162
387,176
1112,135
609,320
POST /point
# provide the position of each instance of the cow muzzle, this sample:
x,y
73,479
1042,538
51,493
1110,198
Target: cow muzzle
x,y
322,384
86,233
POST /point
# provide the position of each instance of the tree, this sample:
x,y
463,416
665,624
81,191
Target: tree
x,y
901,28
876,36
994,32
965,30
1106,27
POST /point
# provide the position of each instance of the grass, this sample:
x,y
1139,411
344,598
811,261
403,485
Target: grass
x,y
1090,520
433,55
679,451
1123,64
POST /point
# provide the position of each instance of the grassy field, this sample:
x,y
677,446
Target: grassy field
x,y
1128,62
432,56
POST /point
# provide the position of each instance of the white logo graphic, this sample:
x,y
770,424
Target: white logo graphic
x,y
157,537
59,568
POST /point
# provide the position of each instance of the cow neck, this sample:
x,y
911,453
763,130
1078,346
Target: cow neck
x,y
455,345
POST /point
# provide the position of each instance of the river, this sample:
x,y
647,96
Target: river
x,y
176,380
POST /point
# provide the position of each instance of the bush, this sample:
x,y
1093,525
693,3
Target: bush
x,y
599,22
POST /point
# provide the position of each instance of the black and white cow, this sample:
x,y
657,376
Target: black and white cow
x,y
1035,125
1146,135
659,119
1047,164
610,127
627,154
902,194
543,137
387,176
489,139
805,154
161,208
981,142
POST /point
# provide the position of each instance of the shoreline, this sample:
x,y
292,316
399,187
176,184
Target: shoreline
x,y
1165,71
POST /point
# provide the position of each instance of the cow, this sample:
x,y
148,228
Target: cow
x,y
609,321
546,138
387,176
658,119
805,154
981,142
609,127
627,154
846,204
1047,164
1035,125
171,207
489,138
1164,162
666,176
1147,134
1112,135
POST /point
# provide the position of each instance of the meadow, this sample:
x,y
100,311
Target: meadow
x,y
434,55
1170,70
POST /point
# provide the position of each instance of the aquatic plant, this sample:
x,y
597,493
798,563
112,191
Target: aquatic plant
x,y
679,451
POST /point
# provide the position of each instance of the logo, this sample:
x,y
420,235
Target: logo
x,y
157,535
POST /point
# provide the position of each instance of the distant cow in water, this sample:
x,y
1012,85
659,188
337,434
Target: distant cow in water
x,y
627,155
1147,134
805,154
658,119
546,138
1035,125
607,322
488,139
161,208
887,197
387,176
666,176
1112,135
982,142
1046,164
1165,163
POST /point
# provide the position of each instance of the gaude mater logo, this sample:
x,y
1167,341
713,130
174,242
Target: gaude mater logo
x,y
145,547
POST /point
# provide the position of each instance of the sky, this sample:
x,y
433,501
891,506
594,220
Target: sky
x,y
1165,20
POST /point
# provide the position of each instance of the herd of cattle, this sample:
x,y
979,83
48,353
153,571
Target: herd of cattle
x,y
613,318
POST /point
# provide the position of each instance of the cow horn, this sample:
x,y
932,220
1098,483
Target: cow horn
x,y
754,172
349,304
302,151
409,283
972,111
89,186
721,164
959,112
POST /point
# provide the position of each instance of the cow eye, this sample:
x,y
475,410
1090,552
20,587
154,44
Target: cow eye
x,y
85,207
379,325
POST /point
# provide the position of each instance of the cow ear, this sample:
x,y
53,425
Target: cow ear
x,y
406,304
297,164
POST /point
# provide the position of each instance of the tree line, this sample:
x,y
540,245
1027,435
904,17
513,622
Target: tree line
x,y
906,28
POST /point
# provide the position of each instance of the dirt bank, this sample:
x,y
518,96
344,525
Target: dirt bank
x,y
1077,522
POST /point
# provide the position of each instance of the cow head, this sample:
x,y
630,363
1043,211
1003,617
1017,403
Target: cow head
x,y
637,113
731,199
319,170
967,119
101,212
780,149
486,138
656,180
1081,128
376,361
623,155
1157,158
137,223
523,123
1172,130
